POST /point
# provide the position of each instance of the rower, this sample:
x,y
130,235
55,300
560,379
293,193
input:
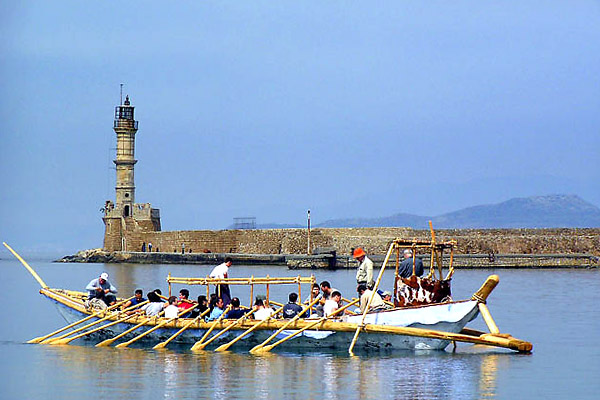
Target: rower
x,y
332,304
262,312
171,311
217,307
200,307
137,299
377,303
236,311
184,302
291,309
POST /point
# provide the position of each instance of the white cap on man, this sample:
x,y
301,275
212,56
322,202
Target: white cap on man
x,y
104,276
408,252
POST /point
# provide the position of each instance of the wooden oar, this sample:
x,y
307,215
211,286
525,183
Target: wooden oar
x,y
255,326
257,348
362,321
269,347
159,325
164,344
237,321
197,345
31,271
83,328
96,314
108,342
70,339
498,340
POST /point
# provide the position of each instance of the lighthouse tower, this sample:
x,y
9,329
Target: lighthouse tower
x,y
125,127
125,216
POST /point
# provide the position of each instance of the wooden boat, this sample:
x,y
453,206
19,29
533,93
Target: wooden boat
x,y
408,327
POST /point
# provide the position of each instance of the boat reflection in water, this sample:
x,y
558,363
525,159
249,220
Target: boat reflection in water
x,y
176,374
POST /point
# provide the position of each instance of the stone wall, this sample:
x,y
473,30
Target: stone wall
x,y
373,240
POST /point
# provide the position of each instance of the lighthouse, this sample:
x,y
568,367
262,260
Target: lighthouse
x,y
125,127
125,216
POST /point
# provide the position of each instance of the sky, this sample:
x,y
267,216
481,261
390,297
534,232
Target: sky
x,y
270,108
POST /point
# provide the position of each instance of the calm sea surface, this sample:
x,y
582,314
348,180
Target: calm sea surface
x,y
557,310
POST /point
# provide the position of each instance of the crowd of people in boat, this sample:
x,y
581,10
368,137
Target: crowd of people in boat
x,y
102,294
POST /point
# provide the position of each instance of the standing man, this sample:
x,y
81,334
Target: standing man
x,y
406,266
221,271
101,287
364,274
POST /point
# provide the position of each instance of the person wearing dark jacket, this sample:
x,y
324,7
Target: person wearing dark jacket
x,y
291,309
406,266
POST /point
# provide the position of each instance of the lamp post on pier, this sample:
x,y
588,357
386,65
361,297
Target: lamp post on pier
x,y
308,247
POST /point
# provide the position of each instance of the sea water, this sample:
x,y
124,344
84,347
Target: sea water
x,y
556,310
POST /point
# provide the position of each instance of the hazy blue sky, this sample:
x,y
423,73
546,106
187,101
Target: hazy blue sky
x,y
268,108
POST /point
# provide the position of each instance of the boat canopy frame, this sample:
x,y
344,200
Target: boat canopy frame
x,y
266,280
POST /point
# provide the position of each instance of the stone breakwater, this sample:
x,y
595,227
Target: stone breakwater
x,y
373,240
331,261
518,247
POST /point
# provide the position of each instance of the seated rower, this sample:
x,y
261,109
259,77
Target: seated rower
x,y
262,312
376,305
155,305
386,296
200,307
217,307
236,311
138,297
332,304
327,291
291,309
172,311
315,293
184,302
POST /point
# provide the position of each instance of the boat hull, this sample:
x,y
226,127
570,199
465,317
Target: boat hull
x,y
448,317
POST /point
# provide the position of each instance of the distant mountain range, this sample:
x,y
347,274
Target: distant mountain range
x,y
552,211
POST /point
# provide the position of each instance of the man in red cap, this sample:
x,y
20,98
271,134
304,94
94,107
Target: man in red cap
x,y
364,274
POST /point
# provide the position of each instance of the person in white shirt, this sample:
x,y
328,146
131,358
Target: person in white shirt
x,y
155,305
221,271
332,304
262,312
172,310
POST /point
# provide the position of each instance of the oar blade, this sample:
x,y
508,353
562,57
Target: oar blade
x,y
223,347
60,341
266,349
159,346
256,349
35,340
198,346
105,343
122,345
